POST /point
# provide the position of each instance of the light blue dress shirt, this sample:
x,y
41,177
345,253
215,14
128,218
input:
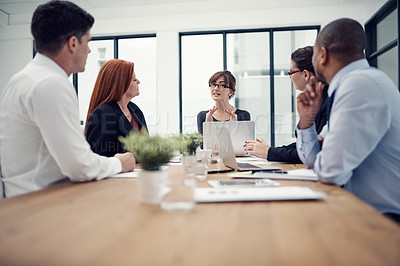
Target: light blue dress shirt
x,y
361,148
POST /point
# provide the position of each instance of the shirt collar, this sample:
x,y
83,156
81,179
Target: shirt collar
x,y
44,60
335,82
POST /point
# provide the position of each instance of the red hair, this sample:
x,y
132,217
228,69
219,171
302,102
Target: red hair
x,y
112,82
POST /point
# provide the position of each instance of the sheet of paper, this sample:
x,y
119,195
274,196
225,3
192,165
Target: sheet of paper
x,y
243,183
298,174
132,174
256,160
230,194
250,159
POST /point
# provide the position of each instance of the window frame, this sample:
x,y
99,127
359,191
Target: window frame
x,y
224,33
116,48
371,52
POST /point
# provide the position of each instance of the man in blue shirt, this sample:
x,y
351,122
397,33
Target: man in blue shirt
x,y
360,149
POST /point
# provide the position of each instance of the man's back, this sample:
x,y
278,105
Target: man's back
x,y
41,141
24,154
377,179
362,147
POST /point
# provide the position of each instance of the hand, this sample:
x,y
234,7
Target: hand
x,y
257,148
210,114
321,141
128,161
309,101
232,115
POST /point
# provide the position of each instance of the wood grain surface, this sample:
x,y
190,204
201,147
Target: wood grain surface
x,y
103,223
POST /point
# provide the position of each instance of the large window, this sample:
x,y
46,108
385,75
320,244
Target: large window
x,y
382,32
141,50
201,56
259,59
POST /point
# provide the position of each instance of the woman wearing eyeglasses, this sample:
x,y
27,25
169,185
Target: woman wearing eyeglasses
x,y
301,69
222,87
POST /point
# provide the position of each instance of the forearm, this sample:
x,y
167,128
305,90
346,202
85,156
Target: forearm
x,y
307,145
284,154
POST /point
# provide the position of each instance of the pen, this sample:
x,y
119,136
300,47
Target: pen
x,y
230,183
274,172
279,172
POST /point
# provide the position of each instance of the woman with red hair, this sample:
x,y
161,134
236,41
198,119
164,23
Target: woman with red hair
x,y
111,113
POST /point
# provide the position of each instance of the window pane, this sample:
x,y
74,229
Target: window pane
x,y
387,63
248,59
101,51
386,30
201,57
286,117
142,52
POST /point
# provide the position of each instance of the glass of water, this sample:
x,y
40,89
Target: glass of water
x,y
179,188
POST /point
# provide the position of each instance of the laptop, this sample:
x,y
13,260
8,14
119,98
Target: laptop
x,y
239,132
227,154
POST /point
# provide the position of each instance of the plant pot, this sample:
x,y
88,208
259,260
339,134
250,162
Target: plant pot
x,y
151,184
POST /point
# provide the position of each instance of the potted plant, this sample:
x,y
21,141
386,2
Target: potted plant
x,y
193,160
151,152
187,144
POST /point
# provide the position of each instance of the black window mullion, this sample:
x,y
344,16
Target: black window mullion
x,y
116,50
180,85
272,86
224,52
371,52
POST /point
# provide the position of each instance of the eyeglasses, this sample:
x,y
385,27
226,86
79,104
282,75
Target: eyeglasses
x,y
290,73
220,86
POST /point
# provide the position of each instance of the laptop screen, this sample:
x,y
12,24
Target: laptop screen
x,y
239,132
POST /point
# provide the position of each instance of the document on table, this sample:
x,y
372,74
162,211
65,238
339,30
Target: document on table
x,y
230,194
298,174
132,174
243,183
255,161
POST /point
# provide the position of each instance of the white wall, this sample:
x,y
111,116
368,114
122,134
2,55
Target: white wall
x,y
168,20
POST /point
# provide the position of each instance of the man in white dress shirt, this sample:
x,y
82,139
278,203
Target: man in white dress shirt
x,y
41,141
361,148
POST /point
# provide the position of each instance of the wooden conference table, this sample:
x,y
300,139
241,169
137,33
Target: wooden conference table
x,y
103,223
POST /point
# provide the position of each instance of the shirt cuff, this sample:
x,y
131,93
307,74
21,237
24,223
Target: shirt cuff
x,y
116,167
308,134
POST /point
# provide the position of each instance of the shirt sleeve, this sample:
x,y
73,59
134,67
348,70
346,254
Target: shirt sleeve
x,y
54,108
307,145
285,153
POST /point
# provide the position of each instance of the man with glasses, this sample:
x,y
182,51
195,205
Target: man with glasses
x,y
361,148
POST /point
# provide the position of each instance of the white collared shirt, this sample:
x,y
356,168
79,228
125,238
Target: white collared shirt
x,y
41,141
361,148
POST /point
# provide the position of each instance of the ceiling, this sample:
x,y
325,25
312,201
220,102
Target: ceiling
x,y
11,7
20,11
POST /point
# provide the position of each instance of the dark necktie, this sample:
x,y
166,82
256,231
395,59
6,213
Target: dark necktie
x,y
329,106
